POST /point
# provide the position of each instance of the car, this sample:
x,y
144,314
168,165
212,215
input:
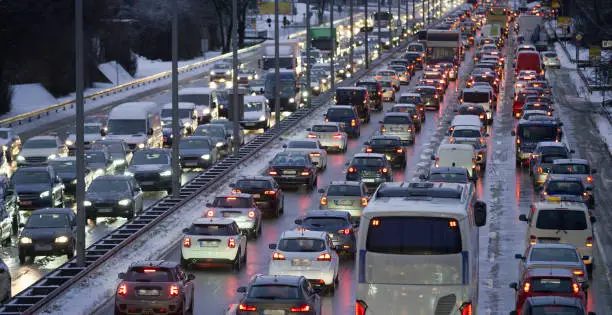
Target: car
x,y
447,174
369,168
65,168
309,254
99,162
256,86
5,283
414,99
331,136
399,124
229,129
257,113
187,115
10,142
311,147
533,114
167,287
529,133
409,109
113,196
542,158
152,169
38,187
578,168
293,168
478,143
357,97
92,132
221,72
565,305
402,73
388,75
48,231
347,196
473,109
390,146
240,207
415,58
197,152
245,75
543,255
457,155
268,195
218,133
429,94
338,225
213,241
39,149
348,118
119,151
388,89
168,133
434,78
290,294
566,187
547,282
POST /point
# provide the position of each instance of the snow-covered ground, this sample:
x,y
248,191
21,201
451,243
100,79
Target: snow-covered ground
x,y
147,67
29,97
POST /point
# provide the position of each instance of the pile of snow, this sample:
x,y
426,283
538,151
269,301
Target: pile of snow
x,y
147,67
29,97
115,72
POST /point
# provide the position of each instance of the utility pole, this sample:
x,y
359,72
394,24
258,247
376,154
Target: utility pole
x,y
423,12
399,14
379,32
367,42
80,133
332,38
236,105
276,66
352,38
176,173
413,15
308,51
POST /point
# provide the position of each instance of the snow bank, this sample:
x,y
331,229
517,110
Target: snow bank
x,y
29,97
605,130
115,73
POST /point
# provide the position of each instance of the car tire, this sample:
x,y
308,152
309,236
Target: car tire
x,y
15,226
237,264
331,289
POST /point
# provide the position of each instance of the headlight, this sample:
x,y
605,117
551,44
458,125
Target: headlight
x,y
316,88
20,158
227,72
341,71
44,194
25,240
69,142
292,100
61,239
124,202
187,124
141,145
99,172
128,173
206,111
166,173
119,162
212,73
387,43
256,76
219,144
87,203
52,156
205,157
262,118
74,181
250,77
304,94
324,81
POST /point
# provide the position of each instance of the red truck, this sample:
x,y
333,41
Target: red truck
x,y
528,60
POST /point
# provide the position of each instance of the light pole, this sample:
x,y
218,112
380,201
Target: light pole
x,y
351,39
236,105
367,42
308,50
379,32
276,66
176,173
80,132
332,38
413,15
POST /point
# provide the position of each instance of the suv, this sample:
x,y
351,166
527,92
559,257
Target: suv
x,y
357,97
398,124
369,168
38,187
154,287
347,196
240,208
347,116
265,191
49,231
214,240
113,196
152,168
543,157
338,224
293,168
579,168
566,188
390,146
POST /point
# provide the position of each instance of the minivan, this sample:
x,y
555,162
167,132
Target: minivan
x,y
138,123
457,155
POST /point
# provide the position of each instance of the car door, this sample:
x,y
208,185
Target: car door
x,y
334,255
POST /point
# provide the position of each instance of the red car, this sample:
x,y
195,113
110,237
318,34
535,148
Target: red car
x,y
519,101
548,282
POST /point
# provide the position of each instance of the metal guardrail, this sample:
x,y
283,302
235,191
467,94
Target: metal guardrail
x,y
29,117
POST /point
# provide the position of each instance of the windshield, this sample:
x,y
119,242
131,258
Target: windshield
x,y
253,184
109,186
194,144
40,144
88,129
549,54
416,48
147,158
551,285
466,133
426,91
302,145
95,157
554,254
148,274
537,133
563,220
397,120
324,128
274,291
308,245
385,142
63,166
289,160
449,177
327,223
344,190
283,63
232,202
470,110
556,310
409,99
24,178
127,126
342,113
222,66
211,131
385,83
570,169
4,134
183,112
558,187
48,220
254,107
414,236
209,229
368,162
198,99
475,97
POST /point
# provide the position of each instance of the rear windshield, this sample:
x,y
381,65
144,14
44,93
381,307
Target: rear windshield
x,y
340,113
549,158
449,177
301,245
344,190
209,229
427,92
414,236
475,97
403,109
402,120
470,110
253,184
556,310
325,222
551,285
537,133
385,142
274,291
554,254
410,99
350,96
149,274
550,150
289,160
558,187
570,169
563,220
324,128
367,161
232,202
302,145
466,133
371,86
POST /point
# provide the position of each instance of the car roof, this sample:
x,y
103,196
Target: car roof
x,y
298,234
376,137
327,123
181,105
345,183
470,127
113,177
64,159
255,178
472,105
155,150
455,146
369,155
326,213
410,94
351,88
397,114
53,211
572,160
277,279
562,205
564,177
240,195
341,107
154,263
552,245
304,140
404,105
545,272
43,138
551,144
216,221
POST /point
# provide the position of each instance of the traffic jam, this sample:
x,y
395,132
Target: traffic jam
x,y
377,207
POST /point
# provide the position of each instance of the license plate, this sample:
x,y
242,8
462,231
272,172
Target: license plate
x,y
41,247
148,292
290,172
545,241
209,244
230,214
191,163
274,312
25,203
300,262
146,183
256,196
105,210
344,202
250,124
368,180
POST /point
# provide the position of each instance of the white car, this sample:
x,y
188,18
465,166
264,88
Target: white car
x,y
240,208
308,254
550,59
312,147
93,132
388,75
187,113
37,150
211,240
331,135
256,112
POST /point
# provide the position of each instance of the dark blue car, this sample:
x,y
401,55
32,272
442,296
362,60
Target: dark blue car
x,y
529,133
347,116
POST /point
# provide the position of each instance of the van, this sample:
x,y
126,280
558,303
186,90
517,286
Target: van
x,y
480,96
137,123
528,60
205,100
556,221
466,120
457,155
357,97
289,90
417,250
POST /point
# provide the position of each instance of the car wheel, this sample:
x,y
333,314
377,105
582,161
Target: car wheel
x,y
331,289
15,226
282,207
237,264
277,211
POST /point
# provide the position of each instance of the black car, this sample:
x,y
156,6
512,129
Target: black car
x,y
293,168
390,146
9,212
556,304
286,293
152,168
448,174
415,58
65,168
167,134
220,136
99,162
113,196
370,168
49,231
473,109
119,151
357,97
375,92
266,192
338,224
429,94
38,187
198,151
229,128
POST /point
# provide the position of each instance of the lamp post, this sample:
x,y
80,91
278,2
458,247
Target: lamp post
x,y
367,42
176,173
308,50
80,132
276,66
332,38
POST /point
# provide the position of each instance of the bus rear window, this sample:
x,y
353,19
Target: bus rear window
x,y
414,236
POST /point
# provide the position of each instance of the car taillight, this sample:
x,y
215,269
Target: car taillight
x,y
540,170
409,129
187,242
174,290
384,170
466,308
364,201
353,123
251,214
236,191
382,128
305,172
337,136
345,231
532,239
526,287
323,201
589,241
247,308
231,243
436,96
360,307
312,136
270,192
368,150
575,287
272,172
324,257
400,150
303,308
578,272
589,179
278,256
315,154
210,213
122,290
352,170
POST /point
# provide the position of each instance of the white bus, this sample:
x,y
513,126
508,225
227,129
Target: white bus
x,y
417,250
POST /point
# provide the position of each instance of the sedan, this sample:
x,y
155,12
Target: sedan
x,y
390,146
338,224
331,135
218,133
311,147
564,256
346,196
198,151
113,196
152,168
118,150
49,231
221,72
268,195
293,168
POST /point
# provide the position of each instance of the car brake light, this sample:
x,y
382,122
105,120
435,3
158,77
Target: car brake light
x,y
575,287
149,270
466,308
382,128
337,136
540,170
251,214
353,123
230,198
400,150
352,170
174,290
210,213
589,241
305,172
122,290
187,242
231,243
384,170
312,135
589,179
323,201
270,192
236,191
409,129
324,257
303,308
532,241
278,256
364,201
360,307
315,154
368,150
272,172
247,308
526,287
578,272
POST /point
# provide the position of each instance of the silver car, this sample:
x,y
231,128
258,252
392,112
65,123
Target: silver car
x,y
550,59
564,256
331,135
398,124
240,208
580,168
349,196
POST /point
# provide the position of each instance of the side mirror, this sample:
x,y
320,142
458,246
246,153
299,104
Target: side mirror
x,y
592,219
422,177
190,277
380,121
185,230
208,204
480,213
523,218
297,221
513,285
321,191
213,104
486,134
513,133
121,275
272,246
337,247
432,157
241,290
519,256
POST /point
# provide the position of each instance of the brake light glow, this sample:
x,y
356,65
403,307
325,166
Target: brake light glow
x,y
231,243
337,136
466,309
368,150
352,170
312,136
578,272
174,290
353,123
384,170
247,308
122,290
303,308
589,241
305,172
187,242
210,213
382,128
323,201
400,150
149,270
324,257
532,241
589,179
375,222
526,287
278,256
251,214
364,201
540,170
360,308
270,192
575,287
272,172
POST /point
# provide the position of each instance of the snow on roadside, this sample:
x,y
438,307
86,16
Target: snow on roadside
x,y
605,130
29,97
